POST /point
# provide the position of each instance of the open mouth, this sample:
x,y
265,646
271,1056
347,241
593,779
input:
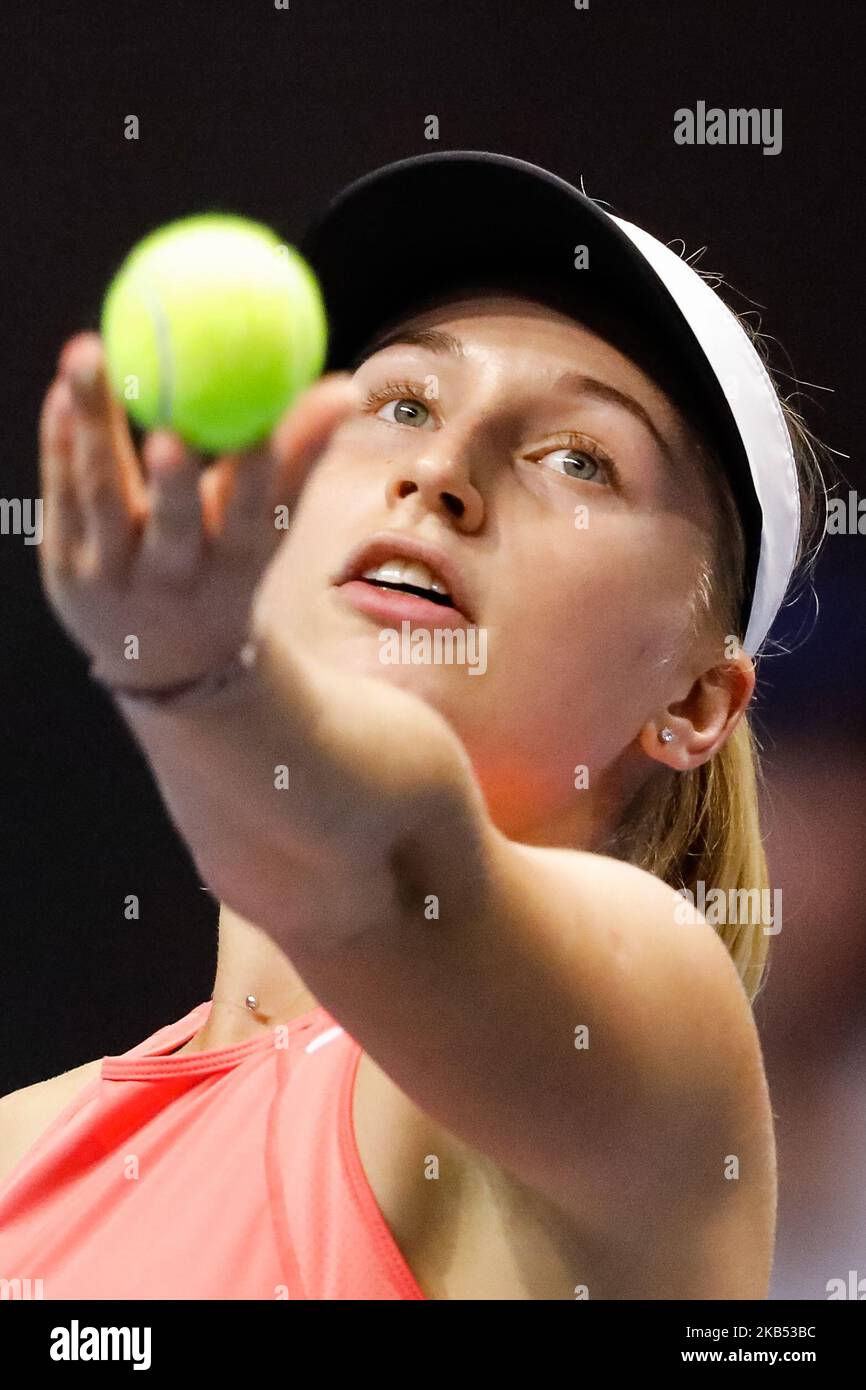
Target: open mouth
x,y
396,562
444,600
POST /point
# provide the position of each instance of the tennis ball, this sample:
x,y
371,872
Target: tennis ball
x,y
211,328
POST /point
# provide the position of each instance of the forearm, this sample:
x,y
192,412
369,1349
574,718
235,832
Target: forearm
x,y
292,786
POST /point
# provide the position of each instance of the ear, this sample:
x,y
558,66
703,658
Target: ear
x,y
702,722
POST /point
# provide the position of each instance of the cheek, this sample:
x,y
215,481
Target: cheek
x,y
316,544
343,499
597,616
338,493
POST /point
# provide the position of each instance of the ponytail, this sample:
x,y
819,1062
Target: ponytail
x,y
702,827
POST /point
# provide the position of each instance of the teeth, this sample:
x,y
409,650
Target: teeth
x,y
397,571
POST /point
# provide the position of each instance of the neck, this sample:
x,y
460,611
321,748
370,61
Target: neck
x,y
249,963
584,820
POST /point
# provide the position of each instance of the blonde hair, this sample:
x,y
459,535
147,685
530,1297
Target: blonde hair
x,y
703,826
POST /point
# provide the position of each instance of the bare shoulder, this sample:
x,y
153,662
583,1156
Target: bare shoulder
x,y
688,1008
25,1114
697,1212
695,1201
683,1016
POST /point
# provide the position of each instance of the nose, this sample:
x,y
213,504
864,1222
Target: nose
x,y
441,479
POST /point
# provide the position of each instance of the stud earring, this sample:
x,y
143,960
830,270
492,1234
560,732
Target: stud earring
x,y
666,735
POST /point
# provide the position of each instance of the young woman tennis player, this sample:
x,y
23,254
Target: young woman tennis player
x,y
464,1040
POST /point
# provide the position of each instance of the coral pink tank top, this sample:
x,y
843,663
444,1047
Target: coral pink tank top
x,y
229,1174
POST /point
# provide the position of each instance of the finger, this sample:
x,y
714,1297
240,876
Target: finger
x,y
87,347
241,521
173,536
306,430
244,490
102,491
216,484
63,521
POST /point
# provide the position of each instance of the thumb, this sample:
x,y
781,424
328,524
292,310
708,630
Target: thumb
x,y
306,429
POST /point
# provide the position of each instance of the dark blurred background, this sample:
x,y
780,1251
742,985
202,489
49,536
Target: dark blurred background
x,y
247,108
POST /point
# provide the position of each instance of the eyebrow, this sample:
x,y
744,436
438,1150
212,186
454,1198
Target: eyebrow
x,y
590,386
433,339
578,383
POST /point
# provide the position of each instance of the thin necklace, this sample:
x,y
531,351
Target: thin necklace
x,y
250,1004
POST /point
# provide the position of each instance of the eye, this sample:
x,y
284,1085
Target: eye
x,y
405,411
582,461
400,403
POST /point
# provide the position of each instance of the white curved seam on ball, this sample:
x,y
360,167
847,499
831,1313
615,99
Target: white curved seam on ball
x,y
162,330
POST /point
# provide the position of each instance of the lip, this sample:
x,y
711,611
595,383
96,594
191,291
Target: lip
x,y
391,608
385,544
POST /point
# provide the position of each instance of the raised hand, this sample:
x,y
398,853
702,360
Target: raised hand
x,y
162,549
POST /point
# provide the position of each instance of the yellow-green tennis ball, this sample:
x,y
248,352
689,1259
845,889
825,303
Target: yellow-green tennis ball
x,y
211,328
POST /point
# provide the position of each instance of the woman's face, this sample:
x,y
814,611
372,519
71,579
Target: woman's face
x,y
565,491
